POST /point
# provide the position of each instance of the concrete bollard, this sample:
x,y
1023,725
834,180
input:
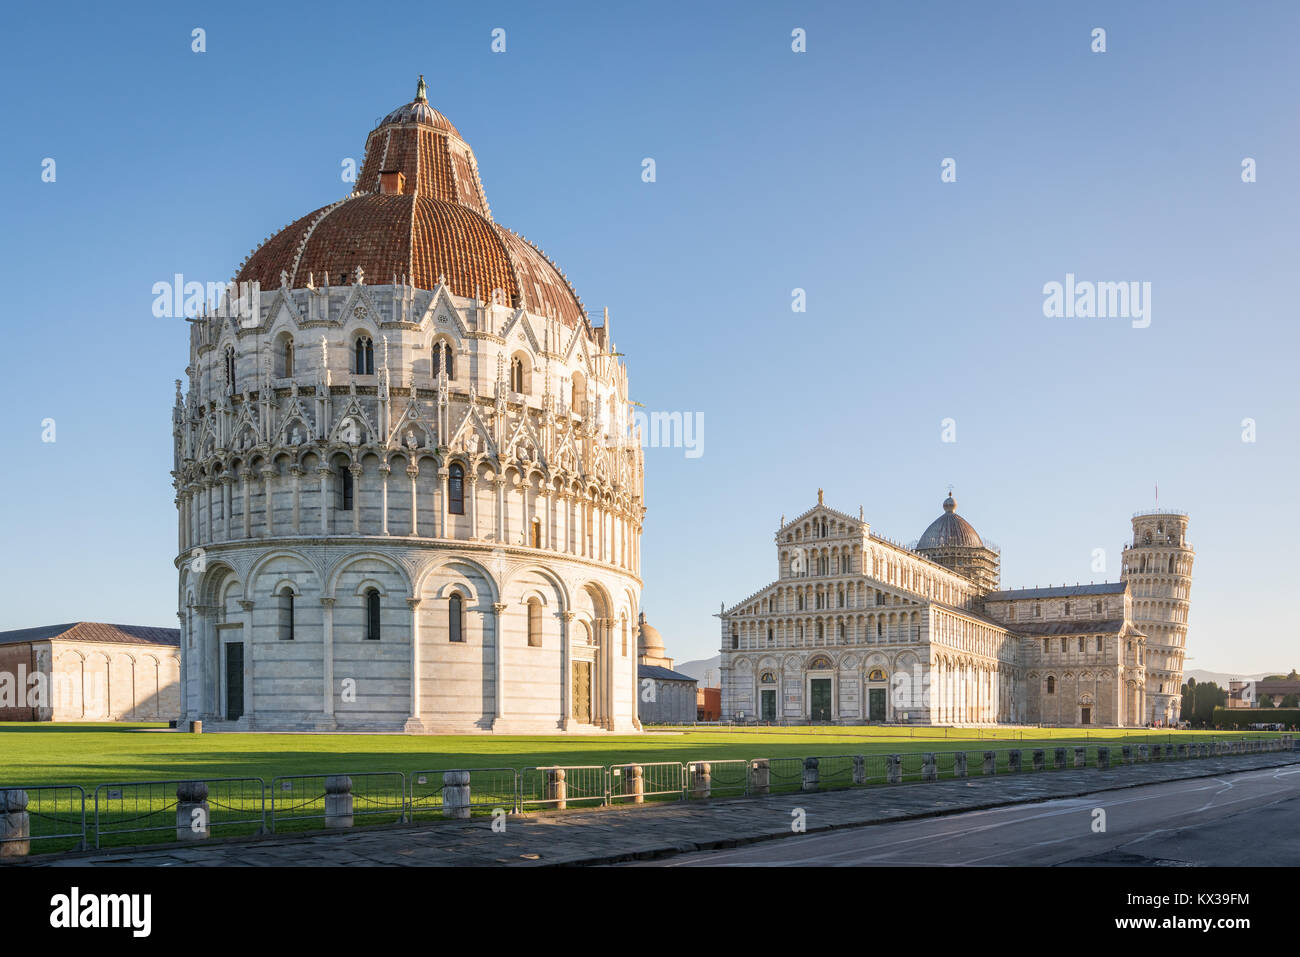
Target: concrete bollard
x,y
929,769
338,800
1182,752
760,777
15,824
634,782
557,789
811,775
1156,752
990,762
455,794
1080,757
192,811
859,769
959,764
1103,759
1013,760
1039,759
1126,754
894,769
1058,758
703,788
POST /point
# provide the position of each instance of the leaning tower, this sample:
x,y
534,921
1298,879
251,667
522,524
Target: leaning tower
x,y
1158,568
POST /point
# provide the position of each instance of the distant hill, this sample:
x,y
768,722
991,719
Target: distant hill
x,y
696,669
1221,678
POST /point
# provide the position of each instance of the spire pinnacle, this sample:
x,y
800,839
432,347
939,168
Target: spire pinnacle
x,y
421,91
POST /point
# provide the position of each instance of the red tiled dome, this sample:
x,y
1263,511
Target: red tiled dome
x,y
418,211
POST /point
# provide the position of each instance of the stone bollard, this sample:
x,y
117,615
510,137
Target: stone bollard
x,y
1080,757
634,783
760,777
811,775
1013,760
1126,754
455,795
859,769
703,788
196,727
959,764
1205,749
1182,752
893,769
15,824
192,811
1144,752
929,769
990,762
1155,752
557,791
1039,759
1058,758
1103,759
338,800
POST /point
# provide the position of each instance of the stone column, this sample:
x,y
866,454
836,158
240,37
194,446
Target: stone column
x,y
355,469
702,780
811,775
456,794
249,655
414,723
500,485
990,762
566,670
384,470
246,476
15,824
959,764
413,472
893,768
498,663
269,496
1058,758
635,783
227,506
327,661
1080,757
859,769
473,508
929,769
324,499
1013,760
760,777
1039,759
1103,758
296,472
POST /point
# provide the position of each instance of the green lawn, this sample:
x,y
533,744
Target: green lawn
x,y
91,755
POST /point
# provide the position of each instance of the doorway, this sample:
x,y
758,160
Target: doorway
x,y
234,680
1085,716
768,710
876,704
582,691
821,699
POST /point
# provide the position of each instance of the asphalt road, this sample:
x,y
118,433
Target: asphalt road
x,y
1250,818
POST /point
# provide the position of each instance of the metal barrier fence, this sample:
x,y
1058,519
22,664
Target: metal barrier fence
x,y
54,812
634,783
705,779
337,798
559,787
189,808
489,788
786,774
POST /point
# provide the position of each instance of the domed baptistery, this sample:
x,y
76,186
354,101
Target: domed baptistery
x,y
409,494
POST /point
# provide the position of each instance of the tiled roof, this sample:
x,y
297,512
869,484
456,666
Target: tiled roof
x,y
662,674
94,631
440,225
1108,626
1062,591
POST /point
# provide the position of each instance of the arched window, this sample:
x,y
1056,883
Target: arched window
x,y
345,488
625,636
578,395
534,623
230,368
456,490
769,636
1171,564
286,614
516,375
443,360
1051,685
364,363
286,357
455,618
372,615
537,533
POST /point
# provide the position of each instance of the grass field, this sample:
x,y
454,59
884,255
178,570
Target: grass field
x,y
91,754
112,756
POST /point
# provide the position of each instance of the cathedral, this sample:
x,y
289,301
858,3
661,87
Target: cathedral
x,y
857,628
409,493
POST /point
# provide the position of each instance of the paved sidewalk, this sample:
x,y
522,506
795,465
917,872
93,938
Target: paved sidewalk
x,y
612,835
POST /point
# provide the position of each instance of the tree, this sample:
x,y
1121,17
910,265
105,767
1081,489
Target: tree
x,y
1206,698
1188,708
1291,701
1264,701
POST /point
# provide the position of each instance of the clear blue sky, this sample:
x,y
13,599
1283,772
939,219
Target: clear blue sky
x,y
775,170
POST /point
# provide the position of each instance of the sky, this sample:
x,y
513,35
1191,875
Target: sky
x,y
775,171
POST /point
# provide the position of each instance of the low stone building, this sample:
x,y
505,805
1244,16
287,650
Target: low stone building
x,y
90,671
666,696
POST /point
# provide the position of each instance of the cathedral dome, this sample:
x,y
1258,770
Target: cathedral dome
x,y
649,643
950,529
418,214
